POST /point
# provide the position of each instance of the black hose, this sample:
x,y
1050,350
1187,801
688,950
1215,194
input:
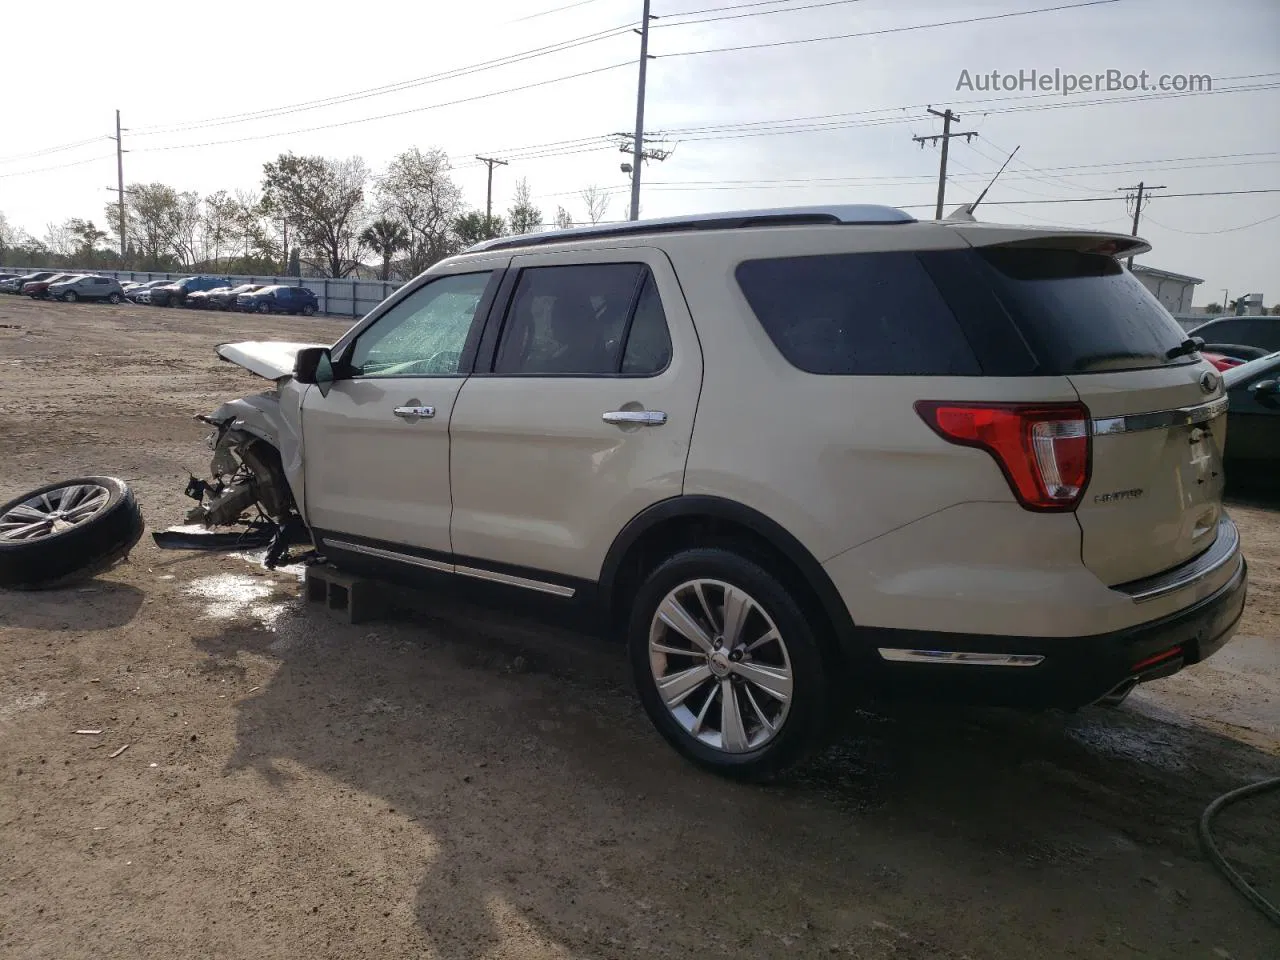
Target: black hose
x,y
1268,908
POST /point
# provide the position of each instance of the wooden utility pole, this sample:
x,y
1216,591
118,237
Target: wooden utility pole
x,y
945,137
1138,194
637,148
490,162
124,243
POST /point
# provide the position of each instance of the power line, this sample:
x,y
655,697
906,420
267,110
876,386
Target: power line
x,y
386,116
1208,233
755,13
61,166
546,13
46,151
338,99
888,30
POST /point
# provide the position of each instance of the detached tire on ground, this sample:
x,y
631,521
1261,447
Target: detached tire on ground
x,y
728,665
67,532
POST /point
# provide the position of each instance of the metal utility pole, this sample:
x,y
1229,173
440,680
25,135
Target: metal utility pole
x,y
490,162
1138,197
637,149
120,185
945,136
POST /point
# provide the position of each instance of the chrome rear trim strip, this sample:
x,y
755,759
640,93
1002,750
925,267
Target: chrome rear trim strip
x,y
508,579
960,657
1224,549
389,555
1161,419
555,589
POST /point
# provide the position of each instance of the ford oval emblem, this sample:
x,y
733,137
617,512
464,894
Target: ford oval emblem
x,y
1209,381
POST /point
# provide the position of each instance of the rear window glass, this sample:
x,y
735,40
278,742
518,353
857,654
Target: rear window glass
x,y
857,314
1081,312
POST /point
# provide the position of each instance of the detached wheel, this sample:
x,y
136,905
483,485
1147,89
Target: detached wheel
x,y
67,532
114,298
727,665
69,297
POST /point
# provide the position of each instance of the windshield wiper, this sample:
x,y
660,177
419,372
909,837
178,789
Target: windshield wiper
x,y
1189,345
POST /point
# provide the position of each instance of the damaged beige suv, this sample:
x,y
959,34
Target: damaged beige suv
x,y
787,454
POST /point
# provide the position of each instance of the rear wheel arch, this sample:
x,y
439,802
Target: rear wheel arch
x,y
679,523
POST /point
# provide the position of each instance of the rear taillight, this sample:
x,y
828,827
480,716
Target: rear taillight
x,y
1043,449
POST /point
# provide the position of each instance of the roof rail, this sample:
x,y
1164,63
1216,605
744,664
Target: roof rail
x,y
863,214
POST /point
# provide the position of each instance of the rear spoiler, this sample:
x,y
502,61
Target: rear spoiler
x,y
1084,241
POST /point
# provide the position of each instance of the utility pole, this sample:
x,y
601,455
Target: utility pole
x,y
284,229
120,184
1138,198
637,148
945,136
490,162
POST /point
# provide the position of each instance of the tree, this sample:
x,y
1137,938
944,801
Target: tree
x,y
8,236
1213,308
386,238
150,215
417,191
61,238
1275,311
295,263
523,216
596,200
218,223
473,227
563,220
323,200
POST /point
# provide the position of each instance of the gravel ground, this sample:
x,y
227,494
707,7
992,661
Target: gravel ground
x,y
460,783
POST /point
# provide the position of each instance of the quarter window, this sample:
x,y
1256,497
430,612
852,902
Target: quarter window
x,y
858,313
601,319
425,334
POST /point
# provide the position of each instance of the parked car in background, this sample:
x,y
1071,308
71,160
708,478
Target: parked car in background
x,y
279,299
198,299
175,294
39,289
87,288
1225,334
16,284
1253,422
141,292
225,297
1221,361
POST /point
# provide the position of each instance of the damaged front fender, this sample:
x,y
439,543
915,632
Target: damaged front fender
x,y
274,417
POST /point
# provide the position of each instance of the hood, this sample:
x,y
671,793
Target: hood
x,y
272,359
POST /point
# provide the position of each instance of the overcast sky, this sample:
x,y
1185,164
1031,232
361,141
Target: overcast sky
x,y
167,66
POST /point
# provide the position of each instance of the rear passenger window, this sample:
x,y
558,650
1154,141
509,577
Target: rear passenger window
x,y
857,314
600,319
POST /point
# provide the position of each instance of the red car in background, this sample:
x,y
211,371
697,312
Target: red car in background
x,y
1221,361
39,289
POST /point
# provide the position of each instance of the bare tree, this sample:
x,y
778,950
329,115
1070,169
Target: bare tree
x,y
596,200
523,216
183,227
218,224
62,238
563,220
417,192
324,202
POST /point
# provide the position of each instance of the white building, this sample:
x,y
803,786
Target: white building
x,y
1174,290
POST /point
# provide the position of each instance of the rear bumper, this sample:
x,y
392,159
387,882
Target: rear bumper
x,y
1058,671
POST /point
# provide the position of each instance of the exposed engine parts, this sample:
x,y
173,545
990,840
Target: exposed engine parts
x,y
246,472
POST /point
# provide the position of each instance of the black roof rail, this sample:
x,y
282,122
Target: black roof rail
x,y
856,214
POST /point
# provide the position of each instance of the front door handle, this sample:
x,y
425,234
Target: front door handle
x,y
415,413
645,418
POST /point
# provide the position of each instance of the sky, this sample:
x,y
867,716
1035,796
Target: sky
x,y
780,123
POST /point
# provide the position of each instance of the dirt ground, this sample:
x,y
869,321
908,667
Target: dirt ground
x,y
459,783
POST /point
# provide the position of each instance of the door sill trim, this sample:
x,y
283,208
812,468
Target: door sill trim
x,y
476,573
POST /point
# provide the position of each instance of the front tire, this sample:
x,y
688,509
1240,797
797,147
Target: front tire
x,y
69,297
114,298
727,664
264,308
308,310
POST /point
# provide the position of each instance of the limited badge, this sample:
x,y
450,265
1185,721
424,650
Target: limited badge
x,y
1209,381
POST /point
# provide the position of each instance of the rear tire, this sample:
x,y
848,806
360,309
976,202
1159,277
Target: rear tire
x,y
69,548
763,733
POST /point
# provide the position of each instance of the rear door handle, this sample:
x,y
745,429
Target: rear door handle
x,y
645,418
415,413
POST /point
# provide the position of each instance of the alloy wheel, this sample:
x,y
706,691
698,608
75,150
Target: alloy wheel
x,y
53,512
720,665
